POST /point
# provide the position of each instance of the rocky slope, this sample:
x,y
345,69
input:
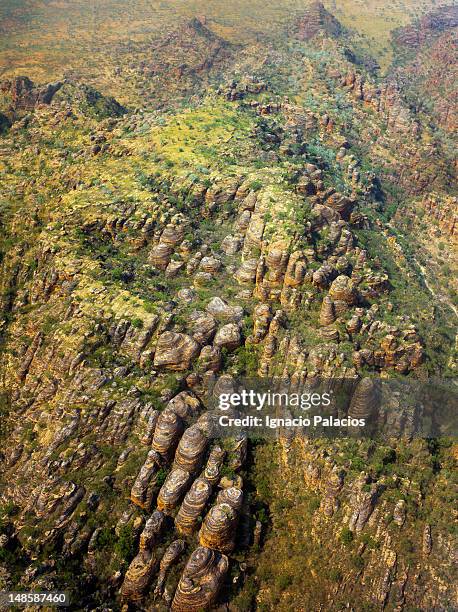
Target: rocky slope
x,y
428,57
151,258
317,20
179,64
429,26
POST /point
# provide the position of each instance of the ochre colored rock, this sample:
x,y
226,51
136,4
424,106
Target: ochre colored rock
x,y
218,528
193,505
228,337
173,489
175,351
169,558
343,289
191,449
327,313
201,581
168,431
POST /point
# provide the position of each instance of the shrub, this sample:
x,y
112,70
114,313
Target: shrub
x,y
161,476
125,547
346,536
256,185
335,575
105,538
247,360
357,562
283,581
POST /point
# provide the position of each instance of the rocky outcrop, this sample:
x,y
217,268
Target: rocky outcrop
x,y
210,359
175,351
203,327
317,20
218,308
433,23
327,313
364,401
183,59
151,278
231,244
173,489
445,212
191,448
185,405
169,558
343,291
138,576
167,434
246,274
218,529
363,505
238,452
231,496
201,581
212,470
427,540
228,337
23,95
193,505
141,493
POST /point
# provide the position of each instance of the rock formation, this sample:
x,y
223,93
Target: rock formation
x,y
141,570
173,489
169,558
168,431
317,20
218,528
193,505
201,581
175,351
191,449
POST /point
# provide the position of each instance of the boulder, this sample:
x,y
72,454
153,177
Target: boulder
x,y
221,310
343,289
327,313
152,530
203,327
186,295
160,255
173,268
232,496
210,359
212,471
246,274
228,337
363,402
296,270
231,244
175,351
210,264
141,493
262,316
142,568
185,404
